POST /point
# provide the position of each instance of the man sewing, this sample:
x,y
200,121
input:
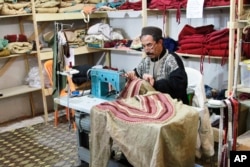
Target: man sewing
x,y
163,70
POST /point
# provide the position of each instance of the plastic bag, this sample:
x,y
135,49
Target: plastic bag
x,y
33,78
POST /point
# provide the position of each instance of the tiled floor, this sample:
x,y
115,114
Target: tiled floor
x,y
208,162
25,123
31,143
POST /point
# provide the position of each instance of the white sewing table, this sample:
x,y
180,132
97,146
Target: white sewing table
x,y
83,105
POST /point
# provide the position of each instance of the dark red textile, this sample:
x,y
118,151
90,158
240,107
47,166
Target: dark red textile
x,y
191,46
169,4
192,40
217,46
218,34
189,30
218,52
16,38
197,51
209,3
224,39
131,5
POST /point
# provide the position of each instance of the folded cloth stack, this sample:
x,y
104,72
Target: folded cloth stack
x,y
100,33
135,5
109,6
73,8
192,40
15,8
204,40
217,43
20,47
16,38
68,3
47,6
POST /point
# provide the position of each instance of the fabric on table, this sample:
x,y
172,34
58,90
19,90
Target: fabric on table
x,y
151,130
136,87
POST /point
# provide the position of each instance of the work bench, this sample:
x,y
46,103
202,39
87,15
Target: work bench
x,y
82,106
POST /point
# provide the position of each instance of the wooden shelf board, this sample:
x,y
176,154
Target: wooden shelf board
x,y
17,55
18,15
240,88
197,56
65,16
78,51
129,51
245,102
17,90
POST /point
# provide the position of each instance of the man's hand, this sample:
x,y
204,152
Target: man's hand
x,y
149,78
131,75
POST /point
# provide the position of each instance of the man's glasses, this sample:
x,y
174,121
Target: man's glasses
x,y
149,46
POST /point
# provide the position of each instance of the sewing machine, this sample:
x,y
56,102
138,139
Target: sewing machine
x,y
106,84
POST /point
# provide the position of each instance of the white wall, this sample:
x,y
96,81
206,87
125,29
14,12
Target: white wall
x,y
215,75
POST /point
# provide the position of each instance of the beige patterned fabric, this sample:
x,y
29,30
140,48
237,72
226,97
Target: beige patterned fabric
x,y
77,7
16,8
151,130
47,10
19,47
46,4
64,4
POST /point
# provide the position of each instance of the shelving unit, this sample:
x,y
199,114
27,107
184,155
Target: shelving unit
x,y
48,54
236,24
42,55
9,91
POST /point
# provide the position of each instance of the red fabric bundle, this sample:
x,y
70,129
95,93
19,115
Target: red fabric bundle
x,y
189,30
216,3
216,35
191,39
218,52
208,3
16,38
169,4
188,46
131,5
224,39
217,46
197,51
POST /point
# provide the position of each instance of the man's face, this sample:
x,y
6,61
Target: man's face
x,y
151,48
